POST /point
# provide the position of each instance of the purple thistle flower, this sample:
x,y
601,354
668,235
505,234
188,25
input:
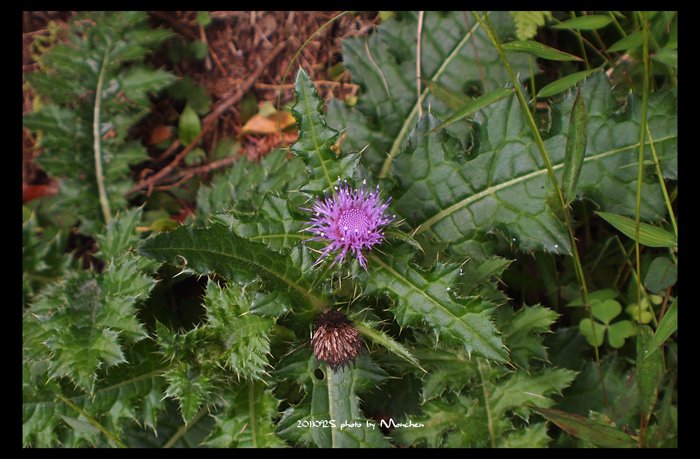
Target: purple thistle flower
x,y
350,220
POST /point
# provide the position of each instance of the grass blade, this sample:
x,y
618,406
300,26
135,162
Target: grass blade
x,y
667,326
649,235
475,105
538,49
575,148
592,22
599,434
565,83
650,371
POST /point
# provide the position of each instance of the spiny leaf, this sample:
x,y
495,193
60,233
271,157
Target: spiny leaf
x,y
426,297
455,53
504,189
218,250
369,330
595,432
527,22
315,139
246,420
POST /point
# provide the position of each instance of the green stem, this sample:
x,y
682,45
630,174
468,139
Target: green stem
x,y
660,175
488,27
251,414
93,421
99,176
185,427
617,24
487,405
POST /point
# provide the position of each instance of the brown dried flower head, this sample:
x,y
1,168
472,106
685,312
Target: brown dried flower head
x,y
335,340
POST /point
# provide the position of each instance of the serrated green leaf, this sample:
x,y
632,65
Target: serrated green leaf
x,y
527,22
315,139
667,326
504,188
575,148
246,421
218,250
661,274
538,49
189,125
457,54
369,330
597,433
649,235
120,234
590,22
564,83
249,182
523,390
522,332
475,105
103,51
272,224
190,388
650,370
426,297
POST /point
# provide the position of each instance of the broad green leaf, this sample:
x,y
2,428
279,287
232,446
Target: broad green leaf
x,y
538,49
590,22
247,420
661,274
595,297
194,95
453,99
189,125
593,331
455,53
503,189
475,105
631,41
597,433
606,310
218,250
649,235
203,18
619,331
564,83
527,22
650,371
575,148
79,425
315,139
667,326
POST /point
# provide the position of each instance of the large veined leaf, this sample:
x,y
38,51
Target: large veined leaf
x,y
218,250
454,52
426,297
506,189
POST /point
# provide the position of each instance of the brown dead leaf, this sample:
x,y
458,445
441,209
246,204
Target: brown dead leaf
x,y
268,124
159,134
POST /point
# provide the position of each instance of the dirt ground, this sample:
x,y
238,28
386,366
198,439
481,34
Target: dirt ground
x,y
248,52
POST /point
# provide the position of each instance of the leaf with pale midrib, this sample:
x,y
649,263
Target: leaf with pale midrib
x,y
506,188
384,65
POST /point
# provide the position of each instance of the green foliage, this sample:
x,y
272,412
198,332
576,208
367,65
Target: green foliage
x,y
460,347
85,135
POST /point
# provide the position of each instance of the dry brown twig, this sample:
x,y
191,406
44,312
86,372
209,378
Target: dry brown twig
x,y
209,122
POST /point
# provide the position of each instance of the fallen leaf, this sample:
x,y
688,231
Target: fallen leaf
x,y
268,124
159,134
30,192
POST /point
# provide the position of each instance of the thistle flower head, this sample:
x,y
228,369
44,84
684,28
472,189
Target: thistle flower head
x,y
351,221
335,340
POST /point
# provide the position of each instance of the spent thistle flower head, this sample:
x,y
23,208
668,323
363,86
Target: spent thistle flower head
x,y
350,221
335,340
